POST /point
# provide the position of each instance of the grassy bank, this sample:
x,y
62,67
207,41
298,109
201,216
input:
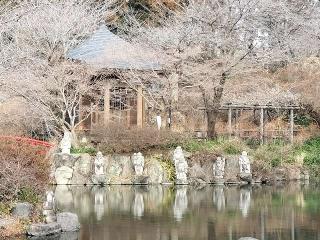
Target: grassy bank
x,y
272,154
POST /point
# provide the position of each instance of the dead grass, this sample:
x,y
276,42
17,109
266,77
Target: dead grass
x,y
118,139
24,171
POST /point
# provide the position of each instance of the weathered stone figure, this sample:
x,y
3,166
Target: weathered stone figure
x,y
99,163
177,155
181,166
244,163
218,168
49,208
65,144
138,163
99,176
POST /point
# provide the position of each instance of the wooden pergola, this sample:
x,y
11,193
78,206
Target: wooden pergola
x,y
230,107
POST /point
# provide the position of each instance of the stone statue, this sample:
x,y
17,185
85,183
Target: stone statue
x,y
65,144
138,163
177,155
49,208
218,168
99,176
244,163
181,166
99,163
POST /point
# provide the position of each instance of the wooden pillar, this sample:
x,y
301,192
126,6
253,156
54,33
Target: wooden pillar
x,y
230,122
106,110
261,125
291,125
140,107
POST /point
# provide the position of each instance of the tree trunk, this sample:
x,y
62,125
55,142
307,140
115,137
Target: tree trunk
x,y
75,140
213,107
212,116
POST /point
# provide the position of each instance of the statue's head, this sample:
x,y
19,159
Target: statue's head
x,y
99,154
244,153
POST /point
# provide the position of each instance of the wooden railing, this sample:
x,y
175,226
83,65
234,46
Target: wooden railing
x,y
29,141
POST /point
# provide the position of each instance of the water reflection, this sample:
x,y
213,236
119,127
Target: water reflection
x,y
219,198
180,202
185,213
245,200
138,205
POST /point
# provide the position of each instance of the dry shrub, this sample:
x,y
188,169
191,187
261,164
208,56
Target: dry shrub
x,y
118,139
24,170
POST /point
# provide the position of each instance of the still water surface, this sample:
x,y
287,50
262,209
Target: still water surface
x,y
288,212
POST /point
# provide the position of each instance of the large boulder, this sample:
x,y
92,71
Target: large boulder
x,y
155,171
43,229
198,174
63,175
232,169
82,170
69,222
64,159
22,210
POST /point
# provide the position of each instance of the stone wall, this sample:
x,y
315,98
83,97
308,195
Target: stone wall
x,y
73,169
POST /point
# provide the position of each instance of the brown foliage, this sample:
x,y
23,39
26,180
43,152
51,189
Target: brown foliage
x,y
118,139
22,167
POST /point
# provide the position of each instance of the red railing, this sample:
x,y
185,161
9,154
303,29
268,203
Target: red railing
x,y
30,141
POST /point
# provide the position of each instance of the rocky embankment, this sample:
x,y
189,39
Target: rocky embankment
x,y
181,168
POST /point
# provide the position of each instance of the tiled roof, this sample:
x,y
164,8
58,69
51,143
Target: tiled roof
x,y
106,50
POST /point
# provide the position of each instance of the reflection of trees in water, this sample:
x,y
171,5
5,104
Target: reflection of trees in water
x,y
160,211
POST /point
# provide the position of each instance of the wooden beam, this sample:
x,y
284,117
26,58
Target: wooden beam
x,y
261,125
291,125
230,122
140,107
106,109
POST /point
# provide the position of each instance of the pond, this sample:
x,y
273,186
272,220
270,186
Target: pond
x,y
190,213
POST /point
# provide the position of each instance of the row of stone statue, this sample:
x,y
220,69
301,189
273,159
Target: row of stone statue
x,y
180,164
179,161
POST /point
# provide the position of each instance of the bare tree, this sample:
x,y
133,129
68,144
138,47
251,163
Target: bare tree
x,y
37,42
209,43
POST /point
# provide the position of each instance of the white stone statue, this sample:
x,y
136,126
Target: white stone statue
x,y
99,163
218,167
180,203
244,163
49,208
181,166
138,163
177,155
65,144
